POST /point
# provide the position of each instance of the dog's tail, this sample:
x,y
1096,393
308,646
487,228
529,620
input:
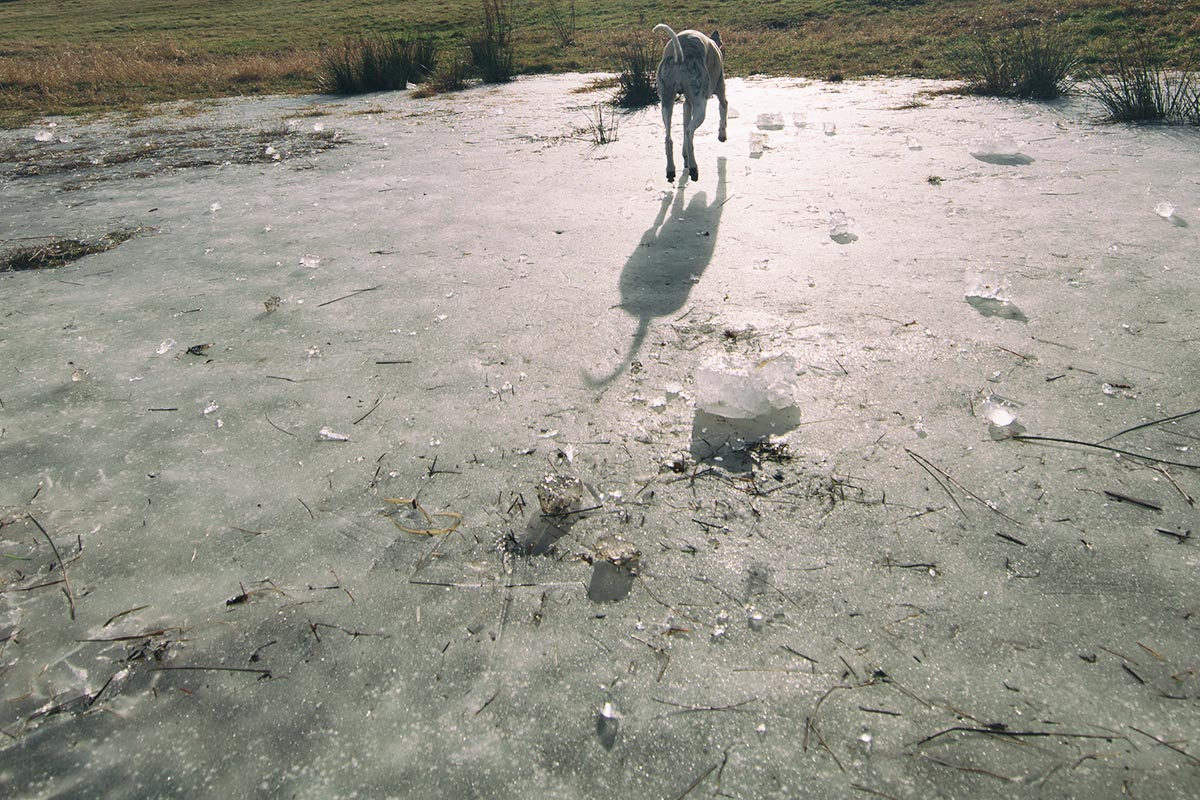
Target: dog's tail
x,y
674,41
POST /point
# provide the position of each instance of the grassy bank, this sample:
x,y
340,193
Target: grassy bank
x,y
105,54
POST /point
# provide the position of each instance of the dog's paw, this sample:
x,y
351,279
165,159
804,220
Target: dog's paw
x,y
670,177
694,173
721,137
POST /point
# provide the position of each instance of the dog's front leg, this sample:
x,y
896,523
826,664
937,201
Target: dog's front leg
x,y
667,106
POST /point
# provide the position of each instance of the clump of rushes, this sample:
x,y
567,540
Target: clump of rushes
x,y
637,73
376,64
491,44
1140,89
1035,62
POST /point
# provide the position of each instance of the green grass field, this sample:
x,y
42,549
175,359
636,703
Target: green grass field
x,y
60,57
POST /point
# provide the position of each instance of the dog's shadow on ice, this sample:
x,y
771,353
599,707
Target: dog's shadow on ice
x,y
670,258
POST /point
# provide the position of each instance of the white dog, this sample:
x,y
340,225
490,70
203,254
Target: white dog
x,y
692,66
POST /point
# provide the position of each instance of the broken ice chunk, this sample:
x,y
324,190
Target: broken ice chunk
x,y
614,569
989,284
998,146
770,122
839,225
758,143
745,389
43,136
310,261
607,726
328,435
1165,210
557,493
1001,415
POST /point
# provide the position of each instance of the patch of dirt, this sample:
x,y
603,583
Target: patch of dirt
x,y
82,160
58,252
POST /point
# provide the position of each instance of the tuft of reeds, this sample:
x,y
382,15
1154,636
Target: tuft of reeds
x,y
450,76
600,129
1035,62
563,21
1136,87
637,73
376,64
491,43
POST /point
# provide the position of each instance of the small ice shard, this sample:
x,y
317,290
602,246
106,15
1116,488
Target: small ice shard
x,y
744,388
44,136
770,122
912,143
758,143
755,619
615,566
214,208
607,725
1002,418
721,627
211,407
989,284
830,128
1165,210
839,226
987,292
328,435
799,119
318,127
999,149
310,261
557,493
164,346
998,145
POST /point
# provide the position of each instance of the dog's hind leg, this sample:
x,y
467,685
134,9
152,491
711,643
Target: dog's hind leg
x,y
693,118
668,105
720,93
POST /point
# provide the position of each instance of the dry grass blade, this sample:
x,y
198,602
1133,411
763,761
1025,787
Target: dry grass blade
x,y
432,530
66,580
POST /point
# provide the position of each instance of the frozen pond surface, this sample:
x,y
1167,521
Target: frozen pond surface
x,y
331,309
